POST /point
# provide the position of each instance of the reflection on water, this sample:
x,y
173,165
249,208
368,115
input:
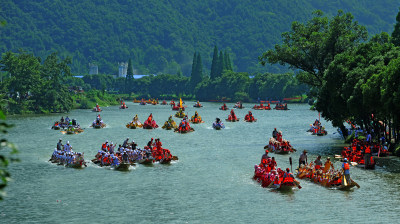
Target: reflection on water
x,y
211,182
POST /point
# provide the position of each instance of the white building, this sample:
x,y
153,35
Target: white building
x,y
122,69
93,69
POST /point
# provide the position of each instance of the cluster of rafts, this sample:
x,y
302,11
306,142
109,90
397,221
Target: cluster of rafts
x,y
269,175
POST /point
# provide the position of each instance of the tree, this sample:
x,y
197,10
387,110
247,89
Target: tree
x,y
396,31
197,71
228,63
129,77
214,64
221,63
311,47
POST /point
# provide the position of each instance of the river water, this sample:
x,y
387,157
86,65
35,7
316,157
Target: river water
x,y
211,182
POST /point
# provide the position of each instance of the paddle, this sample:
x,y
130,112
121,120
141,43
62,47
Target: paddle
x,y
290,161
355,183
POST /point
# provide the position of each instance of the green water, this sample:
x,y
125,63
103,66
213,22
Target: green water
x,y
211,182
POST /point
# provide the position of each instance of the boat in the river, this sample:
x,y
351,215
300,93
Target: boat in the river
x,y
198,104
184,131
97,109
98,125
122,167
68,159
249,117
238,105
262,107
330,179
180,114
146,161
281,106
170,124
218,125
123,106
150,123
164,102
272,177
196,118
224,107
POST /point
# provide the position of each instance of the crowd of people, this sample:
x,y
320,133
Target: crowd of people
x,y
269,175
325,175
278,144
98,122
362,151
232,116
64,155
129,153
249,117
317,129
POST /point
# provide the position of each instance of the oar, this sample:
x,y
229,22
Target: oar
x,y
355,183
290,161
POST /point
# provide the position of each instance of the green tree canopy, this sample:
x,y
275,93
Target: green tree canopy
x,y
311,47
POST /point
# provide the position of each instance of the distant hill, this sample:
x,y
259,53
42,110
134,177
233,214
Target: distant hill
x,y
161,36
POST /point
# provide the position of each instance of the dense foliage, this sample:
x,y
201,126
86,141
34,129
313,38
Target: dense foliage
x,y
161,36
35,86
358,83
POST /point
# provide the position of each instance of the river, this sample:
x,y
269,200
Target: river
x,y
211,182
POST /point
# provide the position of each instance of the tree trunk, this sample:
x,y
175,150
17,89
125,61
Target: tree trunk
x,y
344,131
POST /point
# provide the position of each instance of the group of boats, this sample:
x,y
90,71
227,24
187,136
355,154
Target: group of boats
x,y
67,126
269,176
64,156
126,155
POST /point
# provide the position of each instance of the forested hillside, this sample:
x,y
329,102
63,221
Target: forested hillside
x,y
161,36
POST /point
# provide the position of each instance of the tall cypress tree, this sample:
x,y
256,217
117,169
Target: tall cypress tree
x,y
228,59
220,64
129,77
214,64
396,31
199,67
197,70
194,64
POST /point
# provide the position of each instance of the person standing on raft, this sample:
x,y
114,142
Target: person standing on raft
x,y
303,158
346,171
318,163
328,165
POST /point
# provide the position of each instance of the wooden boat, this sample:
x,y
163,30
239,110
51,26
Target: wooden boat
x,y
147,161
348,186
131,126
330,180
169,126
184,132
165,161
218,127
287,187
96,109
76,165
98,126
123,167
197,105
232,120
123,107
180,115
56,127
255,120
